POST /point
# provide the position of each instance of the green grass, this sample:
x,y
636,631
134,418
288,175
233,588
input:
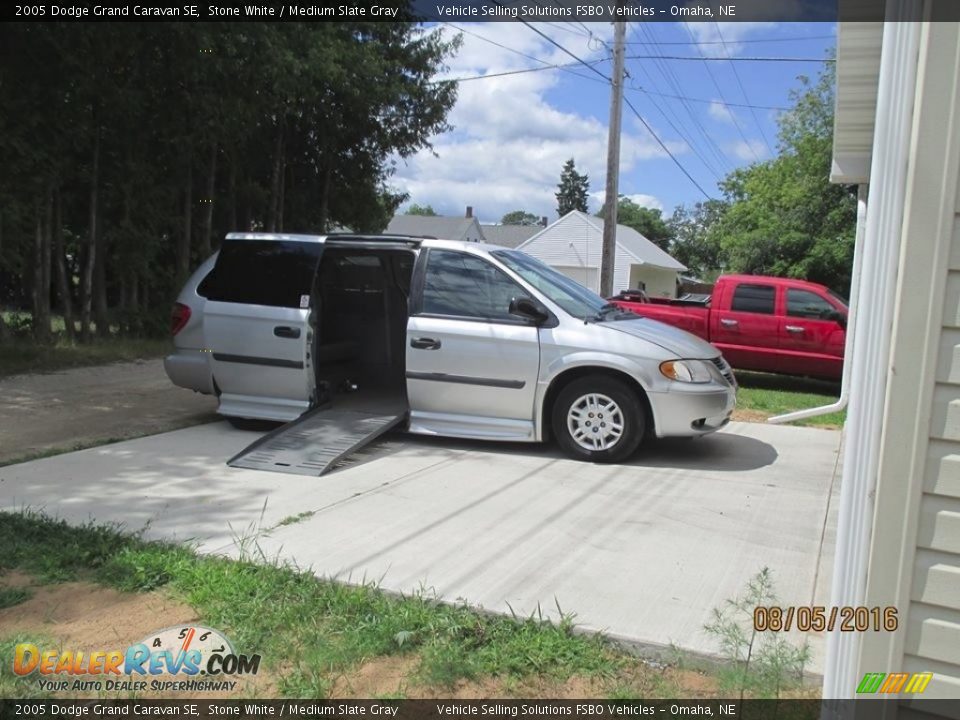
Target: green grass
x,y
14,687
24,356
284,613
9,597
779,394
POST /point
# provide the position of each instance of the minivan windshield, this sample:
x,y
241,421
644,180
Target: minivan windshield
x,y
570,295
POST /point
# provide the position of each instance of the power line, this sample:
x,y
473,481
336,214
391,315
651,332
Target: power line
x,y
562,48
560,66
738,42
666,149
607,80
733,116
743,91
548,65
688,140
671,77
710,102
732,59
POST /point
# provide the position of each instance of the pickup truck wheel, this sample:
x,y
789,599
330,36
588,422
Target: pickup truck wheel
x,y
599,419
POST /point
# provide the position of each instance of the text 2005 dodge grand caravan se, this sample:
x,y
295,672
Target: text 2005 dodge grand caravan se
x,y
468,340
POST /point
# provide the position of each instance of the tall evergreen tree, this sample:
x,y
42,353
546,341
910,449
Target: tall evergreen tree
x,y
572,190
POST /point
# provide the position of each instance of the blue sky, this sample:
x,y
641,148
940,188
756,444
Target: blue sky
x,y
512,133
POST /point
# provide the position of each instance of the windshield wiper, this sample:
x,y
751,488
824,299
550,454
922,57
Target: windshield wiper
x,y
602,313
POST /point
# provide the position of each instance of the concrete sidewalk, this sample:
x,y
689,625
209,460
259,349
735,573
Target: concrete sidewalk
x,y
643,551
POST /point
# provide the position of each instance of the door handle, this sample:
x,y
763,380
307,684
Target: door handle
x,y
425,344
793,328
727,322
285,331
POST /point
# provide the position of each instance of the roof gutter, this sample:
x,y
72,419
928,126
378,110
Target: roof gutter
x,y
852,314
871,360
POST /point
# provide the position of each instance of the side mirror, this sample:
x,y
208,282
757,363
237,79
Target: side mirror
x,y
528,309
838,317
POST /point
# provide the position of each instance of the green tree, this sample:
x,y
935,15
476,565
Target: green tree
x,y
128,150
572,190
426,210
785,218
646,221
693,244
519,217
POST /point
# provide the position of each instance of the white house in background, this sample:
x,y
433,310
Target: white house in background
x,y
573,246
510,236
446,228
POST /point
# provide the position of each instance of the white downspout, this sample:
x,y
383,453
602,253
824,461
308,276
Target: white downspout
x,y
871,357
858,249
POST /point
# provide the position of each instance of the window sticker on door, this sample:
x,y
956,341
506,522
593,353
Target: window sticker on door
x,y
304,301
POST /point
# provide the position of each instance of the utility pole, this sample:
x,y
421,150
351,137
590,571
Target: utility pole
x,y
607,257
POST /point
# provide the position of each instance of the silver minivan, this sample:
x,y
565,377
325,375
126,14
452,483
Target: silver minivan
x,y
465,339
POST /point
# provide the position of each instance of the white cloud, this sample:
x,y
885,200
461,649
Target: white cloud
x,y
647,201
641,199
509,142
721,112
754,150
723,39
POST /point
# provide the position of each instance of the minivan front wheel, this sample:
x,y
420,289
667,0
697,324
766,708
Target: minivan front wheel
x,y
598,418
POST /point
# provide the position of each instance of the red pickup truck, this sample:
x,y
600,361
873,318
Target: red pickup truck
x,y
760,323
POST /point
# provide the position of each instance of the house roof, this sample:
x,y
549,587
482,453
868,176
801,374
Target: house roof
x,y
629,241
509,235
855,111
447,228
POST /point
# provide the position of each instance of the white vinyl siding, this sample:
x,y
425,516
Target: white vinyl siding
x,y
915,542
586,276
933,630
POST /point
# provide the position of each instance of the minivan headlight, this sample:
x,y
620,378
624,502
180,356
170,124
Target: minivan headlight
x,y
688,371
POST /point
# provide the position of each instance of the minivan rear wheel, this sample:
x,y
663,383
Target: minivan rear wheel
x,y
598,418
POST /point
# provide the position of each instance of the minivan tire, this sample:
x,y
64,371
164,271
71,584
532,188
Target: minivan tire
x,y
585,433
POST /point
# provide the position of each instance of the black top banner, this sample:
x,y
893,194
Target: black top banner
x,y
580,11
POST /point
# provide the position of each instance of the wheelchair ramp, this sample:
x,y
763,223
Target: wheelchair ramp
x,y
314,443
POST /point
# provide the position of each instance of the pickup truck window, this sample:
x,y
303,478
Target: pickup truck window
x,y
803,303
461,285
753,299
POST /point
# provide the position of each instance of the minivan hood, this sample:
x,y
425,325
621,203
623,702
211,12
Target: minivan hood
x,y
675,340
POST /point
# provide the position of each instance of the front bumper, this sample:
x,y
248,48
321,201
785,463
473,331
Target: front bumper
x,y
692,410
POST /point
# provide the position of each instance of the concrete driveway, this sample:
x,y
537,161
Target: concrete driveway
x,y
643,551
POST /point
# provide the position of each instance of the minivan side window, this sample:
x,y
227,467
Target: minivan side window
x,y
460,285
803,303
262,272
754,299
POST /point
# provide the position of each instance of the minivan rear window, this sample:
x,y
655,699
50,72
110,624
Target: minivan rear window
x,y
262,272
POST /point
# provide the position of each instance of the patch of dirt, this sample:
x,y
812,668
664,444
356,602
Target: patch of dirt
x,y
378,677
396,676
89,405
759,416
81,616
741,415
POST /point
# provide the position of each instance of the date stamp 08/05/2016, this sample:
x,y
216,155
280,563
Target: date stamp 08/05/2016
x,y
819,618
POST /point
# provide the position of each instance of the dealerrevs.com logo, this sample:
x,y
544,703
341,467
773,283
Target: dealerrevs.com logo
x,y
192,658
